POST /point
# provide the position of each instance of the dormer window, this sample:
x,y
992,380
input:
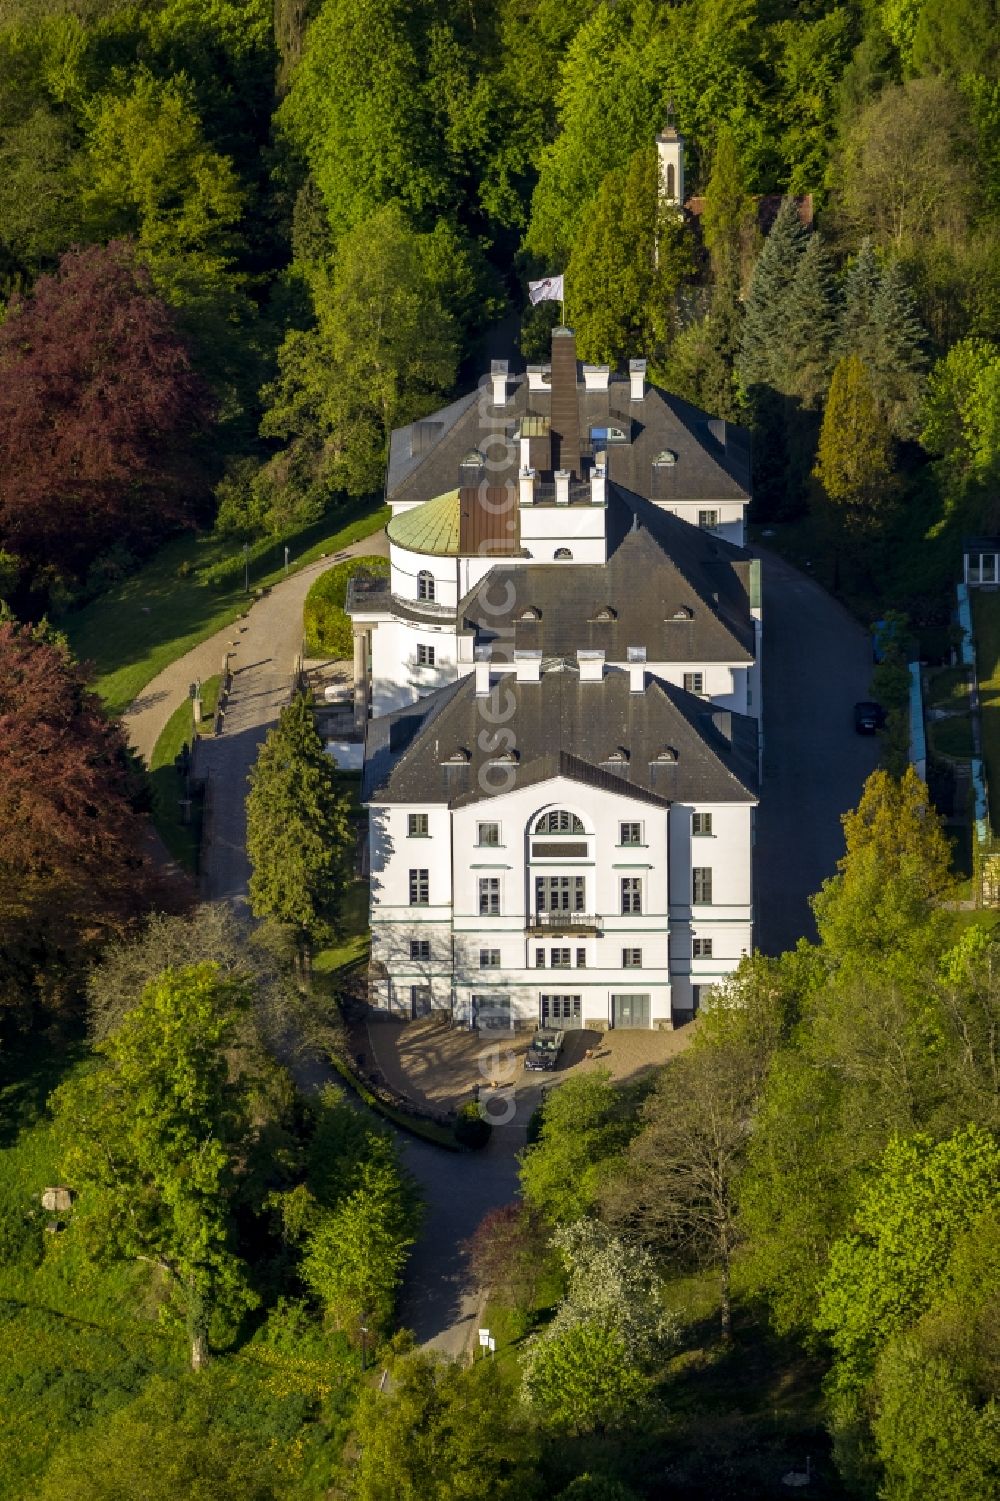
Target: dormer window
x,y
599,436
636,654
531,613
665,459
618,757
605,614
425,585
509,758
563,554
460,756
668,754
683,612
473,459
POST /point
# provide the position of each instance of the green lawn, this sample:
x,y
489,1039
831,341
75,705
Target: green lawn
x,y
352,947
183,840
986,628
172,604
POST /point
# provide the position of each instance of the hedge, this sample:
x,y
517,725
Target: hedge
x,y
326,626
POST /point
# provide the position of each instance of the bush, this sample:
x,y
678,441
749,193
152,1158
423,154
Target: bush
x,y
327,628
472,1129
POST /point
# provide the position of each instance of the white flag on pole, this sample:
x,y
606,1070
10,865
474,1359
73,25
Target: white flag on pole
x,y
549,290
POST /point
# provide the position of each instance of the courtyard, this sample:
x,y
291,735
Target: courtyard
x,y
438,1066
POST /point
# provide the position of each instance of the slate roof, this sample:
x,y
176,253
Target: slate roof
x,y
712,456
678,590
676,746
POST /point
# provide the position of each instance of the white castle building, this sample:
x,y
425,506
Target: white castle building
x,y
560,684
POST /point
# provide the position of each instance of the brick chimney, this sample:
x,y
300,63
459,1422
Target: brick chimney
x,y
565,403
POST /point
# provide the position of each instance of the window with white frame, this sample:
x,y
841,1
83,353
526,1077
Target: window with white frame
x,y
560,894
419,888
581,958
708,520
559,821
539,958
425,585
425,655
560,959
631,958
694,682
489,958
701,948
701,884
488,835
489,896
701,824
420,948
631,895
630,833
417,826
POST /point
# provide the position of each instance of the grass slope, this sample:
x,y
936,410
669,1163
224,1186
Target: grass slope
x,y
175,602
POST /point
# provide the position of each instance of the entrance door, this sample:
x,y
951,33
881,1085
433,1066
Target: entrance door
x,y
565,1011
492,1013
630,1010
420,1001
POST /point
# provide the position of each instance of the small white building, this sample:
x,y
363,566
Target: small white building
x,y
559,842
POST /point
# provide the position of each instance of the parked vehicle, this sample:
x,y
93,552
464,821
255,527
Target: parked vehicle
x,y
544,1049
868,717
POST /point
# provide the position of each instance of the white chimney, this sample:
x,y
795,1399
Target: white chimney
x,y
525,453
526,485
590,661
562,487
637,379
483,678
498,374
637,677
528,666
599,485
538,377
595,377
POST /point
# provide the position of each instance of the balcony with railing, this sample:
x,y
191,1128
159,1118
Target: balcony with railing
x,y
554,923
366,594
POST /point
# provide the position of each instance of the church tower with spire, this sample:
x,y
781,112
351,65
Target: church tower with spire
x,y
670,150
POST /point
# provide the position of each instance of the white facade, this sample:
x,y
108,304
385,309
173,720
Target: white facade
x,y
481,935
726,518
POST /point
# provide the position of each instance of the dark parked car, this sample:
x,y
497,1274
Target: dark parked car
x,y
868,717
544,1048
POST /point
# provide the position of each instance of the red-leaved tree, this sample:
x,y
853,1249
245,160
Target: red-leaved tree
x,y
99,407
72,867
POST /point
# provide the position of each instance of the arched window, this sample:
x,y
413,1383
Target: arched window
x,y
559,821
563,552
425,585
671,181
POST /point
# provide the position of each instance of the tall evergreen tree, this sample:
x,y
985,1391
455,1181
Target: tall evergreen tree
x,y
879,324
298,831
629,258
854,462
810,327
764,325
727,221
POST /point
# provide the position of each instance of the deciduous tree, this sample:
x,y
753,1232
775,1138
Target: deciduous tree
x,y
72,867
157,1138
584,1126
99,412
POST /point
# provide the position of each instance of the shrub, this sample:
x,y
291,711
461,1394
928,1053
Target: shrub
x,y
472,1129
327,628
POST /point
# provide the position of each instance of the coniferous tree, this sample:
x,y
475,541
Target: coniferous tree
x,y
854,462
764,325
727,221
810,327
879,324
298,832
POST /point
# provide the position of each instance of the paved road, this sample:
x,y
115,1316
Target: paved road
x,y
817,664
271,640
